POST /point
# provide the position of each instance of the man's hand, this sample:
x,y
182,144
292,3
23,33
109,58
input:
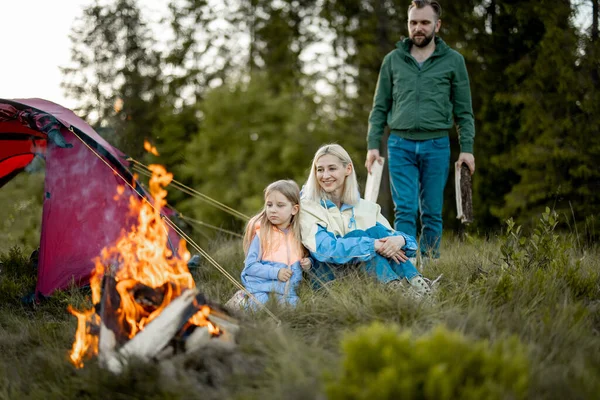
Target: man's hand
x,y
372,156
468,159
284,274
306,264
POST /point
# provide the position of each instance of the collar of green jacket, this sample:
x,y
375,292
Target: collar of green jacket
x,y
440,46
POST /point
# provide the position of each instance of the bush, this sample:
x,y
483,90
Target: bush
x,y
547,254
381,362
543,248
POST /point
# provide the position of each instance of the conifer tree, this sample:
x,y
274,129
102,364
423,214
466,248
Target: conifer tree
x,y
115,73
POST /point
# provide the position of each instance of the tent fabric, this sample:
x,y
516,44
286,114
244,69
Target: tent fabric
x,y
23,134
82,212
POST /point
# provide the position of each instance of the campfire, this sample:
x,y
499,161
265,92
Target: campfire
x,y
145,300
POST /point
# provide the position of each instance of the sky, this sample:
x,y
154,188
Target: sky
x,y
35,43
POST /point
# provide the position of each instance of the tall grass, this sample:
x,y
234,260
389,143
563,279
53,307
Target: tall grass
x,y
542,291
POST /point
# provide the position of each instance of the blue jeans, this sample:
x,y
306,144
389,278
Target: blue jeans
x,y
383,269
418,175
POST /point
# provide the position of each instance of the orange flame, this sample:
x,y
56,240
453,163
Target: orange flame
x,y
140,257
149,148
84,340
120,191
118,105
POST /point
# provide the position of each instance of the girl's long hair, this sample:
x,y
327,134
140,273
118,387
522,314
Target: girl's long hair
x,y
313,191
290,190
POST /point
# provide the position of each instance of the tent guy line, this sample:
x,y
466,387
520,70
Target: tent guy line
x,y
221,269
141,168
183,235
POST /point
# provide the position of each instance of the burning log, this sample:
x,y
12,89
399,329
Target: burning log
x,y
147,306
165,335
155,337
111,332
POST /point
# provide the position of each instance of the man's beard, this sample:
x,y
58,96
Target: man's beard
x,y
426,40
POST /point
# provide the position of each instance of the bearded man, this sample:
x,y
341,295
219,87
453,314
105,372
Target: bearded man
x,y
423,88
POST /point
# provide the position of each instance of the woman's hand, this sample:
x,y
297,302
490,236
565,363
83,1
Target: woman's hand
x,y
391,247
284,274
306,264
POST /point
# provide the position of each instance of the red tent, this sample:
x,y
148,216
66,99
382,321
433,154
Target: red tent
x,y
80,213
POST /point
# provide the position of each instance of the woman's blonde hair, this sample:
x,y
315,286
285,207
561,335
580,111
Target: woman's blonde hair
x,y
290,190
313,191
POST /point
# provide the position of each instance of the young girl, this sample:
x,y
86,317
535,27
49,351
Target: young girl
x,y
275,256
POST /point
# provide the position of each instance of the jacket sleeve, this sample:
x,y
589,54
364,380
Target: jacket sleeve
x,y
410,248
382,103
296,275
253,265
463,109
334,250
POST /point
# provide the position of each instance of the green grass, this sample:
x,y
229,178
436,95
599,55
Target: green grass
x,y
548,303
21,204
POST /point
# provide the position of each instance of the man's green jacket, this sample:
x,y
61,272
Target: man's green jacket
x,y
422,103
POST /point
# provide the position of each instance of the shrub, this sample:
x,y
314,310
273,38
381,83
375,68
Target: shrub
x,y
546,253
543,248
381,362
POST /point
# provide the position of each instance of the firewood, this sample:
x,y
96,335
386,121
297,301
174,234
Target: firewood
x,y
464,193
112,333
147,297
374,181
169,333
223,321
197,339
149,342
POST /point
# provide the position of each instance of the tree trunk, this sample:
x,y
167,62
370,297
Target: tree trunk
x,y
383,44
491,11
594,35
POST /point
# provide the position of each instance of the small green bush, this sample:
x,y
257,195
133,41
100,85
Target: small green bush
x,y
543,248
381,362
548,255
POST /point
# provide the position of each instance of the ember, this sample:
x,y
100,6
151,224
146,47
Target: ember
x,y
143,294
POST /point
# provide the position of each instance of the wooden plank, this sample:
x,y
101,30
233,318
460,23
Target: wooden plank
x,y
374,181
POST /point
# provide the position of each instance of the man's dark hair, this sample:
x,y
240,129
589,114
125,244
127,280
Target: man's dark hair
x,y
437,9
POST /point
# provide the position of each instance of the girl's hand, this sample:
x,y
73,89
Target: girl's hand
x,y
306,264
391,247
284,274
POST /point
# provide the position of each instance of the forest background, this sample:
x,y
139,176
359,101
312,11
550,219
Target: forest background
x,y
238,93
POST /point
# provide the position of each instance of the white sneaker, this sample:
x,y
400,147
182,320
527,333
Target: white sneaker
x,y
237,301
420,286
396,284
433,284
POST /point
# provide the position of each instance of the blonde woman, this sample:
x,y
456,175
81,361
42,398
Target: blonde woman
x,y
340,229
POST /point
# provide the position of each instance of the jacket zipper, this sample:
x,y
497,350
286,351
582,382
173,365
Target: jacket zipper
x,y
418,117
287,248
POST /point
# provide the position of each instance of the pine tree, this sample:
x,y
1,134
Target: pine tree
x,y
115,73
557,151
